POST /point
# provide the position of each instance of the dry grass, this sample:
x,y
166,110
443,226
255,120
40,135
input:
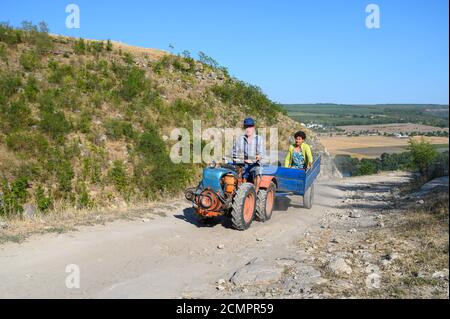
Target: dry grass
x,y
63,219
419,235
422,237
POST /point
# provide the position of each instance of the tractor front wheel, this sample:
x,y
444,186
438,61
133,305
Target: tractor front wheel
x,y
243,208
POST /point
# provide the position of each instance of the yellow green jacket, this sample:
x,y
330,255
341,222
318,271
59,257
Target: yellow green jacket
x,y
306,151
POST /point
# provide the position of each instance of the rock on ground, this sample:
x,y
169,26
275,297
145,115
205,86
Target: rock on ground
x,y
339,266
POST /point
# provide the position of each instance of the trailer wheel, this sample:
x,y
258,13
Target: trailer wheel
x,y
308,198
243,207
265,202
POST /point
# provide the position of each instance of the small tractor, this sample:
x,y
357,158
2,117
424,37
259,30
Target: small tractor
x,y
224,191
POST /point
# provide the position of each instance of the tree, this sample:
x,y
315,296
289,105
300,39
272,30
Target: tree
x,y
43,27
422,154
368,167
203,58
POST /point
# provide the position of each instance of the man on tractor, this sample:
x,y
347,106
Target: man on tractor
x,y
251,148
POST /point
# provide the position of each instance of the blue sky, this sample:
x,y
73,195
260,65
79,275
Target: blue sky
x,y
296,51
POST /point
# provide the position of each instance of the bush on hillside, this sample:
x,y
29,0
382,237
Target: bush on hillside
x,y
43,202
29,60
423,154
16,115
117,129
32,144
9,84
14,195
10,35
249,97
133,83
53,122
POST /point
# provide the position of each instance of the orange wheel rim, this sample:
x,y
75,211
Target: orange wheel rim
x,y
269,202
249,207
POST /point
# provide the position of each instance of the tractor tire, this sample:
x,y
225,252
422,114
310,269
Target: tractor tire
x,y
265,203
308,198
243,207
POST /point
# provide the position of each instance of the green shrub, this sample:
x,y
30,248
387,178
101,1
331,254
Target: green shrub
x,y
38,36
250,97
59,98
29,60
43,202
58,72
162,64
368,167
96,46
119,128
30,143
205,59
79,47
31,89
9,84
150,143
128,58
84,123
392,162
83,200
423,154
10,35
64,175
15,115
109,45
155,174
3,51
92,170
183,64
53,122
133,83
14,196
118,176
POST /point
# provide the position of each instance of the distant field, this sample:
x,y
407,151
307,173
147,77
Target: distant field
x,y
373,146
340,115
391,128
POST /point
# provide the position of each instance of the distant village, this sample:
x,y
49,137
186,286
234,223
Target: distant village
x,y
369,130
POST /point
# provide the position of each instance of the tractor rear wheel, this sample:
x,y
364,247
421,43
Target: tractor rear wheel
x,y
265,202
308,198
243,207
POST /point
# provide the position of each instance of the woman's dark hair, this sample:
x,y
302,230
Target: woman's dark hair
x,y
300,134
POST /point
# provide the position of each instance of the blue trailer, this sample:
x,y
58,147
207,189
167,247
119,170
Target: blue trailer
x,y
295,181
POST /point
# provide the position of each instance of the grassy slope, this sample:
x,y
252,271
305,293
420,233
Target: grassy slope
x,y
81,122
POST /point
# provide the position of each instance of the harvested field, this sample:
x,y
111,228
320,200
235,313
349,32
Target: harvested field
x,y
392,128
372,146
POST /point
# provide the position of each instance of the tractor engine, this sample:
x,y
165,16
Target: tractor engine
x,y
213,203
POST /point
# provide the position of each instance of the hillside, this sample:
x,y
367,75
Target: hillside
x,y
82,122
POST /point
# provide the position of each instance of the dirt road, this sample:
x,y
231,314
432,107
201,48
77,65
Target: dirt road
x,y
169,256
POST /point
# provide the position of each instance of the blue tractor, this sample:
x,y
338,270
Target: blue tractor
x,y
223,191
